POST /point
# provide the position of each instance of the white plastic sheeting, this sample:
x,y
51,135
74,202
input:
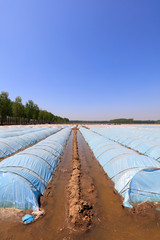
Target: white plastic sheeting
x,y
12,131
126,168
144,140
10,145
24,176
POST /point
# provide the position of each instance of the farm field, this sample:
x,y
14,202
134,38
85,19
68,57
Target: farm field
x,y
80,182
79,120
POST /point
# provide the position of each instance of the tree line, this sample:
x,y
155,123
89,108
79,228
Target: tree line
x,y
119,121
14,112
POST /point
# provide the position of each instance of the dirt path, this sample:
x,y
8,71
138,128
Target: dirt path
x,y
80,210
110,221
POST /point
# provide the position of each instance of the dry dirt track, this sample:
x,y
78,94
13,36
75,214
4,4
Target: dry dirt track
x,y
110,220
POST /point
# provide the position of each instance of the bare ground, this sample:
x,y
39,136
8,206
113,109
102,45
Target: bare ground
x,y
110,220
80,211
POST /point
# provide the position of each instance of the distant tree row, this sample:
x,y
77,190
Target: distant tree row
x,y
119,121
122,120
14,112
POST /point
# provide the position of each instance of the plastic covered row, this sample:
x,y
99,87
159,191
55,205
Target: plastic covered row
x,y
24,176
144,141
11,145
136,177
18,131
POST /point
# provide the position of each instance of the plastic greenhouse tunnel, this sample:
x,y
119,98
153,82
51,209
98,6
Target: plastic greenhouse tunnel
x,y
136,177
25,175
145,141
12,144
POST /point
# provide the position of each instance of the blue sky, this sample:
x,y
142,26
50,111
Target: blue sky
x,y
83,59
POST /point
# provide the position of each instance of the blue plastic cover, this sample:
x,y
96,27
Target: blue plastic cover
x,y
11,144
136,177
24,176
27,219
150,184
144,140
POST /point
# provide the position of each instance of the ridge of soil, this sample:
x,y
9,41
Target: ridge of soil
x,y
80,211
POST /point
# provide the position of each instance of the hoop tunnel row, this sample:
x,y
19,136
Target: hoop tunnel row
x,y
24,176
12,131
145,141
10,145
136,177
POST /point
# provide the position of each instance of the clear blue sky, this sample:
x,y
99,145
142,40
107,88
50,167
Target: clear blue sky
x,y
83,59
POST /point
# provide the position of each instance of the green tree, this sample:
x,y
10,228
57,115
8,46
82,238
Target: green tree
x,y
18,108
66,120
41,115
45,115
35,112
5,106
29,109
122,120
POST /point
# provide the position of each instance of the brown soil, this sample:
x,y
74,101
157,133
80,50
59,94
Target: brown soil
x,y
85,127
110,220
80,211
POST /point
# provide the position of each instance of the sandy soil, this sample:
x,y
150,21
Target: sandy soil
x,y
110,220
80,211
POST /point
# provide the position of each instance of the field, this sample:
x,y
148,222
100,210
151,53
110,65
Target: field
x,y
80,182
